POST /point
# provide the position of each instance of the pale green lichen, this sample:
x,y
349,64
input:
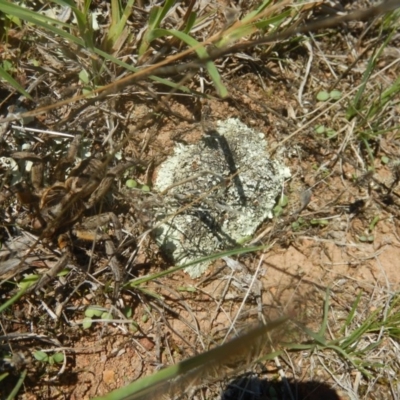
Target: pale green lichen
x,y
228,188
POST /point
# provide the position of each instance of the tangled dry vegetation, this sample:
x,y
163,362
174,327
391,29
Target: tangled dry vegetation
x,y
94,103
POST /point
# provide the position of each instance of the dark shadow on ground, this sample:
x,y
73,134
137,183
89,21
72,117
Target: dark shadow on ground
x,y
250,387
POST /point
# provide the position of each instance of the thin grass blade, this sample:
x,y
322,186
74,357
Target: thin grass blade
x,y
39,20
201,52
8,78
206,366
229,253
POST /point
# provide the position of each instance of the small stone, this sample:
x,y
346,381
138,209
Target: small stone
x,y
147,344
109,376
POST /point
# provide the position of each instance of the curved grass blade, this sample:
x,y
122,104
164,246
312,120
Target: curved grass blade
x,y
156,16
207,366
21,379
13,299
8,78
201,52
242,250
48,24
118,21
40,20
252,23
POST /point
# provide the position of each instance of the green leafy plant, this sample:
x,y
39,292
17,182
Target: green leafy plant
x,y
131,184
328,132
51,359
361,102
11,81
368,236
92,313
138,282
329,96
282,203
348,346
319,222
299,224
118,31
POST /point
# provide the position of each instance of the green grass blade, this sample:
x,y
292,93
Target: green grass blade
x,y
324,324
87,6
253,14
201,52
247,29
320,340
229,253
387,95
156,16
81,16
115,14
8,78
47,23
118,21
155,22
201,365
128,67
356,105
190,22
249,25
352,312
51,24
13,299
367,326
145,44
20,382
351,360
85,25
274,21
39,20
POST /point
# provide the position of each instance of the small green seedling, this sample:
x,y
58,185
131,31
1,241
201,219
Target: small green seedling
x,y
145,318
320,222
7,66
245,239
186,289
373,223
93,312
369,237
366,238
131,184
145,188
328,132
278,209
334,95
128,312
385,160
56,358
133,327
298,225
84,77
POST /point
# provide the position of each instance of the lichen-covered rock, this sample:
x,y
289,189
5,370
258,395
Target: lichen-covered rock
x,y
217,193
